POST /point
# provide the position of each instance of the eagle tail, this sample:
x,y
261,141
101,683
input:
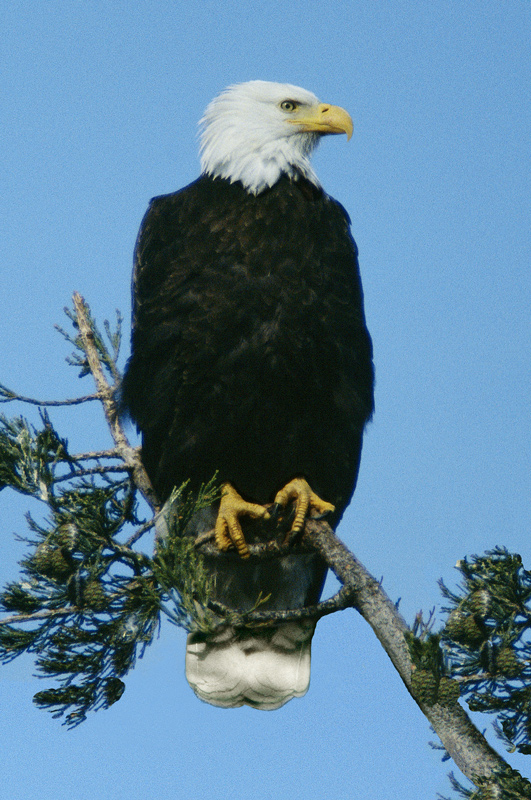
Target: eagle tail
x,y
262,668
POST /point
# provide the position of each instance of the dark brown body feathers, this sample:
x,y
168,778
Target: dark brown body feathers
x,y
250,354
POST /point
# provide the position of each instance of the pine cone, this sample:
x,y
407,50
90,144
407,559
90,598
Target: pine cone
x,y
94,596
424,686
448,692
113,689
51,562
480,603
464,628
507,663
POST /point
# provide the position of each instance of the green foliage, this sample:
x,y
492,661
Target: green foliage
x,y
107,357
507,784
28,456
487,641
178,567
87,604
483,653
88,601
76,606
430,683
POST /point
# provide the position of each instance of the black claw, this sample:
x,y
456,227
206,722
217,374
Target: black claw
x,y
274,511
293,537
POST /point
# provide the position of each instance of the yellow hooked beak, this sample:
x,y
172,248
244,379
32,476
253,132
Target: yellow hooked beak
x,y
323,119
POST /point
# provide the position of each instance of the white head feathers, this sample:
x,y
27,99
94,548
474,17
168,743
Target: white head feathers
x,y
248,135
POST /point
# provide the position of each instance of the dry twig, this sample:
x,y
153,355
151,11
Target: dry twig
x,y
106,394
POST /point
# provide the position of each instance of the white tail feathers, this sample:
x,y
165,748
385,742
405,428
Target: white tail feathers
x,y
260,668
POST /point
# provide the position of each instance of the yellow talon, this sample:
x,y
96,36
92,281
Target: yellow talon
x,y
306,501
228,529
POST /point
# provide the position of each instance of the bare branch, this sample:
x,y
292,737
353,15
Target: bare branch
x,y
343,599
95,455
262,550
106,394
82,473
140,532
465,744
49,612
467,747
8,396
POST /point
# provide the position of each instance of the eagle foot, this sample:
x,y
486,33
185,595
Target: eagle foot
x,y
306,503
228,531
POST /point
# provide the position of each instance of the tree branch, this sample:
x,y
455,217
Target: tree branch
x,y
8,396
35,615
107,395
82,473
95,455
140,532
464,743
343,599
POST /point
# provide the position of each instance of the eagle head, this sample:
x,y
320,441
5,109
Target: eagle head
x,y
255,132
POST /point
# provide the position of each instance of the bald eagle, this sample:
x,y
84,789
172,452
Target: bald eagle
x,y
251,358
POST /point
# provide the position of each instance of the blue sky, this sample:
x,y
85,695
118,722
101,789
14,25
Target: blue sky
x,y
100,107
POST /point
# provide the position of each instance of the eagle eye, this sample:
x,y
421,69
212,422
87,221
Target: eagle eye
x,y
288,105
